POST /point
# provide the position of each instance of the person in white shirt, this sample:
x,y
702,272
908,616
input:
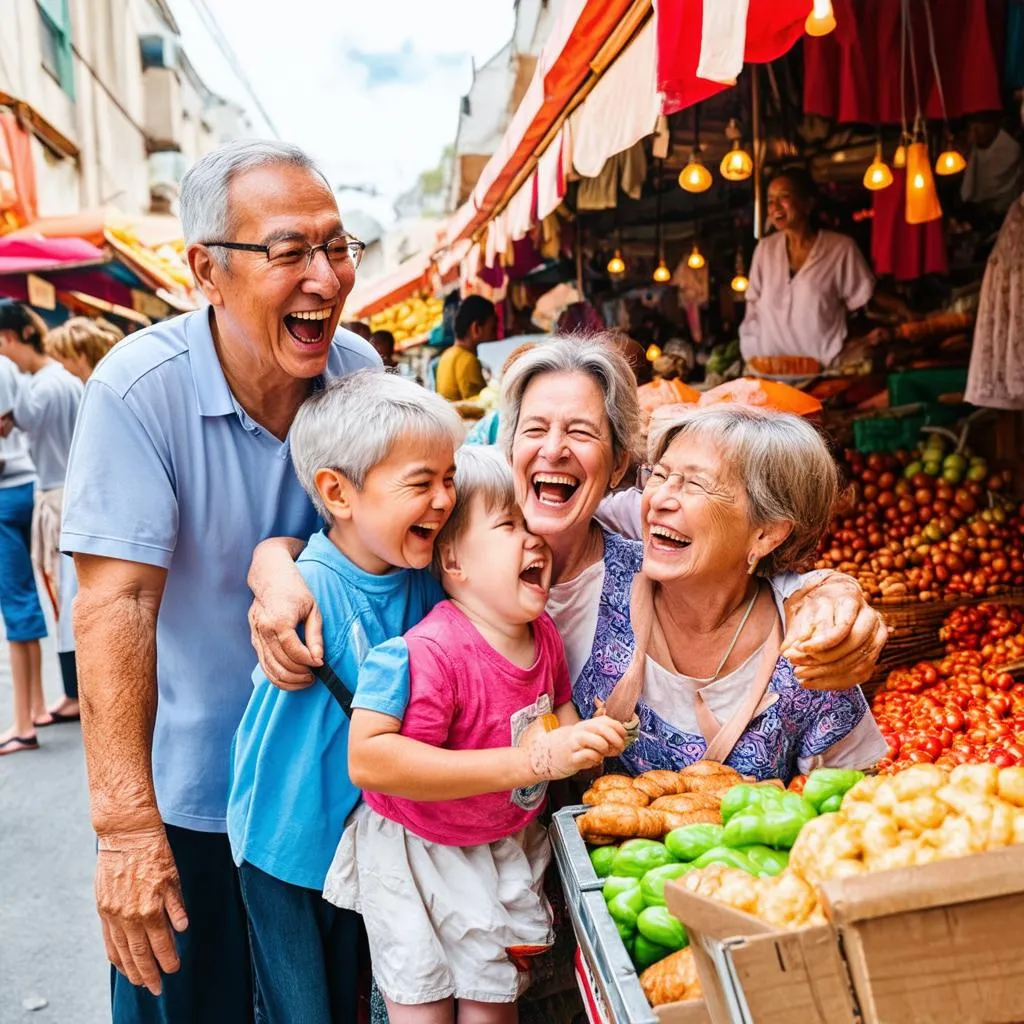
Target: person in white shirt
x,y
45,407
804,281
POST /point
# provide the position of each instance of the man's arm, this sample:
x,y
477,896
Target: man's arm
x,y
137,889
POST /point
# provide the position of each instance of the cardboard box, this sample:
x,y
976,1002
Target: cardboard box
x,y
936,944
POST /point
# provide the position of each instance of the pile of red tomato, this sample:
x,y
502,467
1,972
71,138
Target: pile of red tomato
x,y
963,708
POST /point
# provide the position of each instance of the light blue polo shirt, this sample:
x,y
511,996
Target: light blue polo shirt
x,y
167,469
45,408
290,790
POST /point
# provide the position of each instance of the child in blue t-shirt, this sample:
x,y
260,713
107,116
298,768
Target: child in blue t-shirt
x,y
376,455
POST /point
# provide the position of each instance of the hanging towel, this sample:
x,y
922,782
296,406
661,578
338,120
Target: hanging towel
x,y
723,40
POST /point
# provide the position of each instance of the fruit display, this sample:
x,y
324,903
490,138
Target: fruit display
x,y
672,980
759,824
926,525
962,708
410,319
922,815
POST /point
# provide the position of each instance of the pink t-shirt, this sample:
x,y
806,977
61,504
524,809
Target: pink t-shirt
x,y
464,695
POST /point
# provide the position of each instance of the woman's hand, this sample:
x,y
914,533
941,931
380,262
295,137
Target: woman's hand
x,y
833,636
281,600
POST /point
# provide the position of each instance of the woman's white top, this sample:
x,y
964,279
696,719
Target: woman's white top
x,y
804,314
46,408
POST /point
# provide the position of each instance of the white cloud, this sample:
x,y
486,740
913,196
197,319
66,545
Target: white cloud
x,y
371,89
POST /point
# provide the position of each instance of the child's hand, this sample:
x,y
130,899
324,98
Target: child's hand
x,y
573,748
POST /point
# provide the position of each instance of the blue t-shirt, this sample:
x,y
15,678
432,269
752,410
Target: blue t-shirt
x,y
290,790
167,469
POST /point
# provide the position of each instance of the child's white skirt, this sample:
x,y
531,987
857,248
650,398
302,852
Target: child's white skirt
x,y
440,918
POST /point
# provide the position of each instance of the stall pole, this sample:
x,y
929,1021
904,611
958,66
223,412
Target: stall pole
x,y
579,256
755,104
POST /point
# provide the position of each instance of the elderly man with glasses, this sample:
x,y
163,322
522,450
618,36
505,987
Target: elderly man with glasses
x,y
179,467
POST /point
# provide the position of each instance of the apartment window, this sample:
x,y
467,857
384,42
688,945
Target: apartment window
x,y
55,41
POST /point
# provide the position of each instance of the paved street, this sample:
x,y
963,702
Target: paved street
x,y
50,943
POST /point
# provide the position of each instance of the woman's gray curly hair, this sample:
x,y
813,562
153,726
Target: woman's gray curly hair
x,y
781,461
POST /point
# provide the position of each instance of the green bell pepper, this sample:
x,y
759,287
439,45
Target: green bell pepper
x,y
601,858
765,860
825,783
637,856
657,924
625,907
776,823
652,885
614,884
746,796
690,841
646,952
627,933
731,858
832,804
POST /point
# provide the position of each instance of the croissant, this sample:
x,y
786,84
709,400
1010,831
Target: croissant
x,y
603,782
678,819
622,820
672,980
597,840
683,802
616,795
659,782
709,777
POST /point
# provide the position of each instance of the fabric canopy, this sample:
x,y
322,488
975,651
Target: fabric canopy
x,y
580,33
773,27
28,255
410,277
853,74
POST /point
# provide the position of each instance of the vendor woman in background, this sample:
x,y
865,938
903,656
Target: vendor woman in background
x,y
804,280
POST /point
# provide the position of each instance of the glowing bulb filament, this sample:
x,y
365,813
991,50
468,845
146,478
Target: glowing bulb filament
x,y
740,283
950,162
695,177
662,273
821,20
653,352
696,258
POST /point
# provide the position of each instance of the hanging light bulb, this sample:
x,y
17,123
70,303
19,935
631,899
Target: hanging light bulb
x,y
736,164
950,161
695,177
696,258
878,175
740,282
821,20
653,352
922,199
899,158
662,273
617,265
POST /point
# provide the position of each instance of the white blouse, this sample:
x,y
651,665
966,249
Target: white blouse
x,y
804,314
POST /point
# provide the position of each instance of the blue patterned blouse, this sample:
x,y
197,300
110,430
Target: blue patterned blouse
x,y
800,724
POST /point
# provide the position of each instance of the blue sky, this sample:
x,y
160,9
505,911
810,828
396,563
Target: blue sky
x,y
371,89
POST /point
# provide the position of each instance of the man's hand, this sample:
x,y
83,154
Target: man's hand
x,y
281,601
572,748
833,636
138,896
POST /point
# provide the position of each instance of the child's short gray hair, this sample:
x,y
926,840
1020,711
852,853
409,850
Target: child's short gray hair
x,y
480,471
354,422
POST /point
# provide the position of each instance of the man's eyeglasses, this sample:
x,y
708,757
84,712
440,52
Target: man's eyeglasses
x,y
298,256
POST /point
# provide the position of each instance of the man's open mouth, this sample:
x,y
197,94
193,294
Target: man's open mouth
x,y
665,539
554,489
533,574
425,531
307,326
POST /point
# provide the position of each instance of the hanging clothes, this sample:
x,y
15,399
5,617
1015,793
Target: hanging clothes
x,y
852,75
723,40
995,378
907,251
993,175
624,170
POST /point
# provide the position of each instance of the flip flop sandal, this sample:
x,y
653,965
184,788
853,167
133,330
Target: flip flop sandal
x,y
16,744
56,718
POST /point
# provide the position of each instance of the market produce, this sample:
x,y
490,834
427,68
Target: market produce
x,y
825,789
723,358
672,980
410,319
658,925
926,525
646,953
652,885
771,817
689,843
919,816
784,366
636,857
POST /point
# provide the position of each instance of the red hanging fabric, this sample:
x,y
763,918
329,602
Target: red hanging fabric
x,y
853,74
773,27
18,202
907,251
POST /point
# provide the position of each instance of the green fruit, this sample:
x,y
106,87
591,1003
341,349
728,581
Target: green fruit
x,y
913,469
659,925
952,476
601,857
652,885
690,841
637,856
977,473
933,468
954,462
625,907
626,933
646,952
615,884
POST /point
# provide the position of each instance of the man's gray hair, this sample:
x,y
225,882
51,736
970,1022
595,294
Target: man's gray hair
x,y
206,188
780,460
597,357
354,423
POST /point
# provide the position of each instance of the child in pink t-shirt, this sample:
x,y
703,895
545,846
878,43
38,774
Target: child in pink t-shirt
x,y
456,729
